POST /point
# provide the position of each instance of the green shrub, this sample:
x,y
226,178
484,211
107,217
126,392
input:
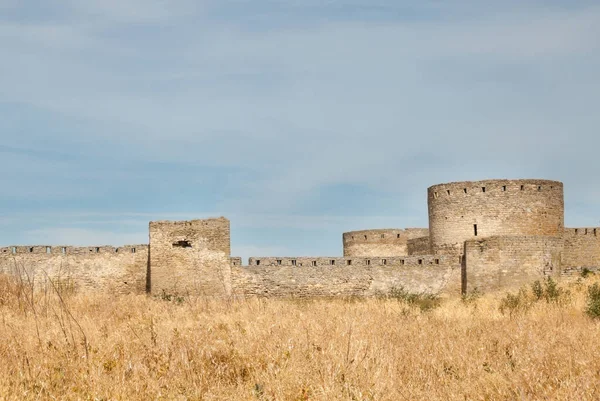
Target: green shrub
x,y
593,301
471,297
425,302
538,290
515,303
550,291
585,272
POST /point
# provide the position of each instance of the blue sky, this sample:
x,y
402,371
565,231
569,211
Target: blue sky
x,y
297,120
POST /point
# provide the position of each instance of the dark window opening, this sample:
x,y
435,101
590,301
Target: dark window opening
x,y
503,188
97,250
368,262
448,191
435,195
539,188
258,263
551,186
401,261
332,262
465,190
132,250
348,262
182,244
30,250
420,261
314,262
293,262
576,230
365,237
116,250
279,261
475,229
48,249
482,189
383,261
397,235
437,261
522,187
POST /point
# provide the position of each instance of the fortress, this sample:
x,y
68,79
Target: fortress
x,y
483,235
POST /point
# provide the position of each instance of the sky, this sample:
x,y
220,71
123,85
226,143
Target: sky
x,y
297,120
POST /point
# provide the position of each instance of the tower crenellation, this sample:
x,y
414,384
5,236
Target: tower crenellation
x,y
485,235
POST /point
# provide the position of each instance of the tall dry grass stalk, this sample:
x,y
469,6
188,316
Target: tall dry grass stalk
x,y
75,347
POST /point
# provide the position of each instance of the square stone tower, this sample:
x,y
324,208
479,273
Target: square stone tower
x,y
190,257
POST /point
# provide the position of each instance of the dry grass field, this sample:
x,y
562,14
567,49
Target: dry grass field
x,y
73,347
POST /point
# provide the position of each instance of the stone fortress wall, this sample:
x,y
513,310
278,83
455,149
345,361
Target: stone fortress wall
x,y
119,270
382,242
190,257
483,235
462,211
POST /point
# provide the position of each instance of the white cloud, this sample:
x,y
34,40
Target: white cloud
x,y
385,107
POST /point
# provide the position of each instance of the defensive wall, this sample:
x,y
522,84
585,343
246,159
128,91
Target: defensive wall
x,y
581,249
419,246
381,242
119,270
501,262
461,211
190,257
485,235
311,277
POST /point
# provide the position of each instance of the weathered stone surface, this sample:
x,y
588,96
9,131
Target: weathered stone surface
x,y
190,257
340,279
83,269
489,235
496,263
496,207
419,246
382,242
581,248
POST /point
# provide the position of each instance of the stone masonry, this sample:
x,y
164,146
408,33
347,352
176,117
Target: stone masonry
x,y
483,235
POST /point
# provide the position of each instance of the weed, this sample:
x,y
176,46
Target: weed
x,y
515,303
425,302
593,301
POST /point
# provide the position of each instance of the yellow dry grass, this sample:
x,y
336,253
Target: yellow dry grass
x,y
140,348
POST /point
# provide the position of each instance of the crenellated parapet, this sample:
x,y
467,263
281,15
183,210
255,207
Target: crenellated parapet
x,y
388,242
324,262
461,211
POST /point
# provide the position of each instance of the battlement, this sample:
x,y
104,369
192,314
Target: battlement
x,y
71,250
492,188
489,234
391,261
390,242
593,231
462,211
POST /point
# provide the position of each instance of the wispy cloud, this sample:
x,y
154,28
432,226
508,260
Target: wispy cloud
x,y
275,113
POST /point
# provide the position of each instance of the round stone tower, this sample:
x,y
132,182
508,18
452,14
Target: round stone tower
x,y
383,242
460,211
